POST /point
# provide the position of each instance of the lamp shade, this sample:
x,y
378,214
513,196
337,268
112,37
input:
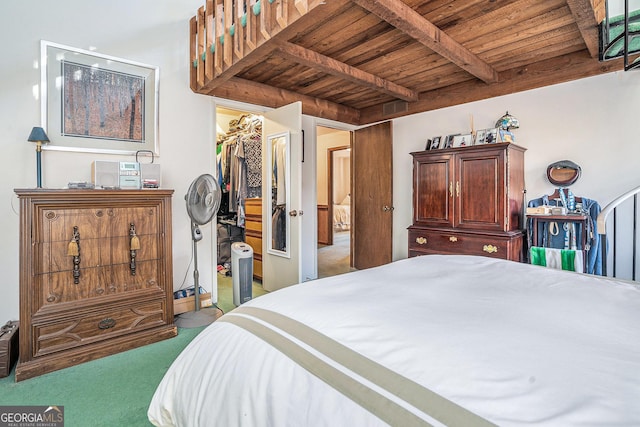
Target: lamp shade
x,y
38,134
507,122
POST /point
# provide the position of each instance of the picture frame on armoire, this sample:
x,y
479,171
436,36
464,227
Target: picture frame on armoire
x,y
448,141
480,137
462,140
491,136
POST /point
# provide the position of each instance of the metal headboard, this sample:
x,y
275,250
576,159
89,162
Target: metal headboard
x,y
619,251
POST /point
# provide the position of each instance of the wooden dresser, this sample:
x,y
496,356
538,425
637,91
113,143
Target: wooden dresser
x,y
253,233
95,275
469,200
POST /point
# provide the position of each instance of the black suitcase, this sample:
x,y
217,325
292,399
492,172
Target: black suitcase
x,y
8,347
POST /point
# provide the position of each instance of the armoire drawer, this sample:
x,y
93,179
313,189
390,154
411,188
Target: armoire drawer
x,y
438,242
89,327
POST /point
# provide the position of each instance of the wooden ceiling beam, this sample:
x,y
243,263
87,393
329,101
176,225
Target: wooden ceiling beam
x,y
586,17
336,68
544,73
242,90
322,10
410,22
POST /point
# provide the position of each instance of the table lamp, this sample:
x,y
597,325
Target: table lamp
x,y
38,136
508,122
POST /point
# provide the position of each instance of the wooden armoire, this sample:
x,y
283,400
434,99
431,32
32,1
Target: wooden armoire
x,y
95,275
469,200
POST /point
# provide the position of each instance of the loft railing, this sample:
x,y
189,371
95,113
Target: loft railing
x,y
225,31
617,226
620,33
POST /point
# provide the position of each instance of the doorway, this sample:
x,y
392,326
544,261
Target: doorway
x,y
334,201
240,216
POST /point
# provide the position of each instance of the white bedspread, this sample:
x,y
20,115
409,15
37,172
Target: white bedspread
x,y
513,343
342,217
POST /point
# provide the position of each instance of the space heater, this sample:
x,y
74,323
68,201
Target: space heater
x,y
241,272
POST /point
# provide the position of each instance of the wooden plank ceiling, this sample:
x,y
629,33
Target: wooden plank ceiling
x,y
363,61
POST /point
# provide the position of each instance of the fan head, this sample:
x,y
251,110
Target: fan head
x,y
203,199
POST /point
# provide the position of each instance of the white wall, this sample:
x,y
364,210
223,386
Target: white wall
x,y
593,122
326,140
153,32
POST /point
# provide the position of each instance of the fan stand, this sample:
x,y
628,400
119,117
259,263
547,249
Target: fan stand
x,y
201,316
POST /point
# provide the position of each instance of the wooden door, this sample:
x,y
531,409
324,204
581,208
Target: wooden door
x,y
372,196
433,189
479,190
281,266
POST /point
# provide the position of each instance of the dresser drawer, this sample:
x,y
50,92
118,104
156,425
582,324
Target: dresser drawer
x,y
255,226
442,242
253,207
257,269
255,243
93,326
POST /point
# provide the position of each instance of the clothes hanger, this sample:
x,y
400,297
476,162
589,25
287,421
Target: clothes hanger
x,y
556,196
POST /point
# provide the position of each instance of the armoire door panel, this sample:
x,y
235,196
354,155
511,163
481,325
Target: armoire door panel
x,y
433,191
479,188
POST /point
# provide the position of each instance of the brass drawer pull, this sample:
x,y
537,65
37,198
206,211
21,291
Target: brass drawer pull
x,y
73,250
134,246
490,249
107,323
421,240
453,239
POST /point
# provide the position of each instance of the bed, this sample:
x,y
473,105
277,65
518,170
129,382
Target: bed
x,y
432,340
342,215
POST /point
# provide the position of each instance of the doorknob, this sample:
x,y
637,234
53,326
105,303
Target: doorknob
x,y
295,213
386,208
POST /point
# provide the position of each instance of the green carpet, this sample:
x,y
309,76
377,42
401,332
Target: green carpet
x,y
225,292
113,391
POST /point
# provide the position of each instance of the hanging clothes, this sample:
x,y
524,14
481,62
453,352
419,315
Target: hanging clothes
x,y
555,236
279,183
240,164
279,228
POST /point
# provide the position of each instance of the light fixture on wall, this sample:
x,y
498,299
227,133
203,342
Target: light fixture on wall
x,y
507,122
38,136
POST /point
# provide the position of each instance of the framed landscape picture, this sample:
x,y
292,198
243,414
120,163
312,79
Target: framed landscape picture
x,y
97,103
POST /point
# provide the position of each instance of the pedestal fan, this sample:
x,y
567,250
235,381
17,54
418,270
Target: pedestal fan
x,y
203,202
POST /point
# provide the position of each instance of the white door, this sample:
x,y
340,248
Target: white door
x,y
282,196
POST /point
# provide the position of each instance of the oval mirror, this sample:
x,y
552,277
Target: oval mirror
x,y
563,173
